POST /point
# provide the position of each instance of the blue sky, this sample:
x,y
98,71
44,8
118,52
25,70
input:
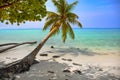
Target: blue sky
x,y
92,14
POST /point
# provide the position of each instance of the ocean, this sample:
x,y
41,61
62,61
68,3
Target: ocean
x,y
94,40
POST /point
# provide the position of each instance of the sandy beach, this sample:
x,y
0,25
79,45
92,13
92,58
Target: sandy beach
x,y
59,40
65,64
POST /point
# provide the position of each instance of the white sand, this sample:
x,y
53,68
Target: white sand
x,y
109,63
21,51
103,60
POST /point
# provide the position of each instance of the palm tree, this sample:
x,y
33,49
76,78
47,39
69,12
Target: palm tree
x,y
61,20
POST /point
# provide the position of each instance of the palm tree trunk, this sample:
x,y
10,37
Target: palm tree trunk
x,y
31,57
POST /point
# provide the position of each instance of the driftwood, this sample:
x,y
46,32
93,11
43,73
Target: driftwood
x,y
14,45
6,44
8,70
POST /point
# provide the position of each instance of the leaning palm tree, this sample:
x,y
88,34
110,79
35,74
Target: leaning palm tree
x,y
56,21
60,20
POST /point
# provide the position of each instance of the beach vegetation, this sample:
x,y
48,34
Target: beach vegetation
x,y
20,11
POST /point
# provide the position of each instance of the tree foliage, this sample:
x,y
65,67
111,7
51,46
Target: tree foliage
x,y
19,11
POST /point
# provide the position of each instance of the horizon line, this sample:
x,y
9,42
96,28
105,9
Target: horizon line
x,y
48,29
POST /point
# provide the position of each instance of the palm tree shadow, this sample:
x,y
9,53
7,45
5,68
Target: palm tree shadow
x,y
76,51
73,51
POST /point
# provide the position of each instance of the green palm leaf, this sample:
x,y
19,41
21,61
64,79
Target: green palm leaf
x,y
72,15
71,6
64,31
78,23
52,15
71,32
55,25
58,5
48,24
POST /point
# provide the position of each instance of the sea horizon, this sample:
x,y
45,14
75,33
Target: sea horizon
x,y
48,29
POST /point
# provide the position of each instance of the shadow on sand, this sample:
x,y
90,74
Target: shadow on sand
x,y
74,51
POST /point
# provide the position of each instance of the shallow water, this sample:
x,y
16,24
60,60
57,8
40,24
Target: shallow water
x,y
94,40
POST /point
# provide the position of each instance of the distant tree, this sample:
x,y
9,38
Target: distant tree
x,y
20,11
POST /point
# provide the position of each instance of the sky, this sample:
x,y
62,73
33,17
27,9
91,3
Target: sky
x,y
92,14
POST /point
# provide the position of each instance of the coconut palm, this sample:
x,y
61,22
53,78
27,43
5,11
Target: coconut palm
x,y
56,21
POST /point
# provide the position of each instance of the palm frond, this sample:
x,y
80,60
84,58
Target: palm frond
x,y
64,31
74,21
51,18
58,5
62,2
71,32
55,25
72,15
71,20
52,15
78,23
55,2
71,6
48,24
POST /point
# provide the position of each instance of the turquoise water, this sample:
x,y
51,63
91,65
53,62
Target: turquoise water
x,y
97,40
